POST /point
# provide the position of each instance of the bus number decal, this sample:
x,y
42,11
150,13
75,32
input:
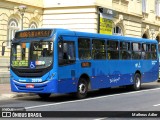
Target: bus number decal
x,y
36,80
138,65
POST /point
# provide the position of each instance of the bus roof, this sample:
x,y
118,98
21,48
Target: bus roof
x,y
102,36
61,31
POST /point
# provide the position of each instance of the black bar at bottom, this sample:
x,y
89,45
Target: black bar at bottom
x,y
79,114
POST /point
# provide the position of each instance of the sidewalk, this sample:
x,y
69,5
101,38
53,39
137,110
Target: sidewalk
x,y
5,92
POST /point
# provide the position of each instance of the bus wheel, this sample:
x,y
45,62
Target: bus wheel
x,y
137,82
82,89
44,95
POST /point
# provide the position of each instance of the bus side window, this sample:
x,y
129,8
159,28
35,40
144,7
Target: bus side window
x,y
112,49
143,51
84,49
60,52
98,49
153,52
125,53
136,51
147,51
66,53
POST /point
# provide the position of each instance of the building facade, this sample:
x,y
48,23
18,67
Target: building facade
x,y
136,18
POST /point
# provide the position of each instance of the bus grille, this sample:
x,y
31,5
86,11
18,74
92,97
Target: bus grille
x,y
31,72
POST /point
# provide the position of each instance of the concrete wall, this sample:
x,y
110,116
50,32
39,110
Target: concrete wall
x,y
36,3
74,18
68,3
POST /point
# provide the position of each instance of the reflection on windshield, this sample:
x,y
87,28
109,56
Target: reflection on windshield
x,y
41,54
33,55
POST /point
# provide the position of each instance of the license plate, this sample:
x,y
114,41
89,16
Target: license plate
x,y
30,86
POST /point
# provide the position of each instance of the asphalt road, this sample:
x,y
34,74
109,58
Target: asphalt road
x,y
117,99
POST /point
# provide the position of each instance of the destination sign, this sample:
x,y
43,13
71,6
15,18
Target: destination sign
x,y
17,63
33,34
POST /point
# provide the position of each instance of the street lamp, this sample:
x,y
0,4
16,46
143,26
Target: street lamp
x,y
22,10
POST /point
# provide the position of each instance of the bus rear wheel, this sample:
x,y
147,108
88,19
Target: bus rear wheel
x,y
44,95
82,88
137,82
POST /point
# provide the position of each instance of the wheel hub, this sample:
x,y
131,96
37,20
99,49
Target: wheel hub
x,y
138,82
82,88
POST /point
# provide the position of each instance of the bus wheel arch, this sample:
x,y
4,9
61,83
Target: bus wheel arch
x,y
83,86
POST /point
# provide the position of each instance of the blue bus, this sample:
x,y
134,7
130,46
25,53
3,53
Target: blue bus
x,y
52,61
159,61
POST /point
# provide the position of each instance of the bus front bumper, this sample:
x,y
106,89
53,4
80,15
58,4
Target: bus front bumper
x,y
44,87
52,86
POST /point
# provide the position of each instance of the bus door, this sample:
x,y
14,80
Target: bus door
x,y
67,65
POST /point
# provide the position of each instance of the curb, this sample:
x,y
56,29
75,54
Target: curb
x,y
17,95
6,96
23,95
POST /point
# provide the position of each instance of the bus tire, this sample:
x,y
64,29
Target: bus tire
x,y
137,82
44,95
82,88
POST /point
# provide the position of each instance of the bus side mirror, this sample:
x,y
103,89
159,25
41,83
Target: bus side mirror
x,y
3,49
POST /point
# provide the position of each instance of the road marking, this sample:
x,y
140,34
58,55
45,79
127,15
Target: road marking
x,y
156,105
100,118
88,99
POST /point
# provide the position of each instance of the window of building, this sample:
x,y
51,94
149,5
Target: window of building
x,y
144,35
117,31
84,48
112,49
33,25
144,6
12,28
98,49
157,7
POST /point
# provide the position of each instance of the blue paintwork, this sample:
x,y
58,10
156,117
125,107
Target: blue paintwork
x,y
102,73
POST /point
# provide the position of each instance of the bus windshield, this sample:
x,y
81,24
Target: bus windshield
x,y
34,55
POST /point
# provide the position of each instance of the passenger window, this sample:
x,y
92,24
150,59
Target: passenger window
x,y
136,51
125,52
98,49
146,51
112,49
66,53
153,52
84,48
